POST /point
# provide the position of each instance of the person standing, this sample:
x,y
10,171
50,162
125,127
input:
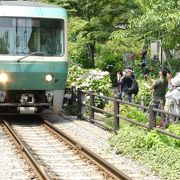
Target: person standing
x,y
119,90
173,95
126,84
159,88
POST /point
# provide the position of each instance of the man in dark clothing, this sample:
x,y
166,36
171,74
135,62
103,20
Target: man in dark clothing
x,y
134,89
124,83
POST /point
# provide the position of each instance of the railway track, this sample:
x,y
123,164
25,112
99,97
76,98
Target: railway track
x,y
96,139
12,163
53,154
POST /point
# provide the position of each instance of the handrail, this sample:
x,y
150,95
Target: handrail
x,y
151,110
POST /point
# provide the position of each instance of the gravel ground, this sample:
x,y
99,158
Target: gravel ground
x,y
12,165
54,155
96,139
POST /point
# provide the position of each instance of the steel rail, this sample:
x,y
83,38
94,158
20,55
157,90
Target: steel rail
x,y
107,167
38,169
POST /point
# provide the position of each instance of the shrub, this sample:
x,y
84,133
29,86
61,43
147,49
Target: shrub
x,y
90,79
143,93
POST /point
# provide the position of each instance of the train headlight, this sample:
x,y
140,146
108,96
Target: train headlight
x,y
3,77
49,77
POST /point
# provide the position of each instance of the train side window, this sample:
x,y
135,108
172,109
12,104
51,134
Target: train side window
x,y
48,41
33,43
52,37
4,44
6,35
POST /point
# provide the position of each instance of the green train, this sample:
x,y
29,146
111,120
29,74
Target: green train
x,y
33,57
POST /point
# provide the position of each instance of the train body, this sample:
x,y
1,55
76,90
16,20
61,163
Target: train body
x,y
33,57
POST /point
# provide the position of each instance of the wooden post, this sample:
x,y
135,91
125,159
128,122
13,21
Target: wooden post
x,y
73,94
116,112
83,100
81,108
91,114
142,102
162,107
152,117
133,98
79,115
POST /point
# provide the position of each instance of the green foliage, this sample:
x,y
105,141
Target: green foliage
x,y
174,65
158,151
127,134
77,42
152,68
92,22
143,95
153,71
175,129
78,54
133,113
123,41
89,29
88,79
96,80
108,61
158,20
109,122
154,138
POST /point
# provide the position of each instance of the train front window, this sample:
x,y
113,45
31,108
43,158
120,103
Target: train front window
x,y
21,36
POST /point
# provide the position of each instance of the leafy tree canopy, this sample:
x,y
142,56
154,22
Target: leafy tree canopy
x,y
160,19
93,21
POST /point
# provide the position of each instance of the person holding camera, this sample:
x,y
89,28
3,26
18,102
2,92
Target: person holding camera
x,y
159,88
127,85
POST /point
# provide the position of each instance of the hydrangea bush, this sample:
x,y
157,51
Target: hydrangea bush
x,y
89,79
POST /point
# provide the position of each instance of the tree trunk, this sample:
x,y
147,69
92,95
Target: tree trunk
x,y
168,54
91,52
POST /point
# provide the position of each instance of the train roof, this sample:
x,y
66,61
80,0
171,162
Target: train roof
x,y
25,3
30,9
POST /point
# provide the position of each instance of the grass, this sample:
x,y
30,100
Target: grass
x,y
160,152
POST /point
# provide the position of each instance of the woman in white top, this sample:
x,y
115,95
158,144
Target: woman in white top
x,y
173,96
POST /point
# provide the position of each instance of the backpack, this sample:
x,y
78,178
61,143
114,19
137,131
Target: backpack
x,y
134,89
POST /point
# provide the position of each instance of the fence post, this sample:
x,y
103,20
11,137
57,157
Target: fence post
x,y
73,94
91,115
80,108
133,98
142,102
152,117
162,107
116,112
79,115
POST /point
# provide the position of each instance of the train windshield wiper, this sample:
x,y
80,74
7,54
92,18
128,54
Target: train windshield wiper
x,y
31,54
